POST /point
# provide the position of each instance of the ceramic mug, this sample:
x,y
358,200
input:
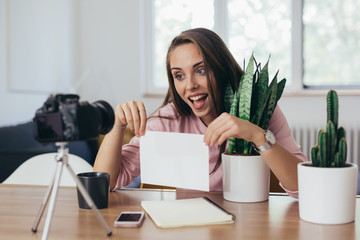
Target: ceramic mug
x,y
97,184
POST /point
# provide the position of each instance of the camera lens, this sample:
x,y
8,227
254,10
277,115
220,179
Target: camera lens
x,y
106,115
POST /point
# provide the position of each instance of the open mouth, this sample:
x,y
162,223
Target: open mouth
x,y
198,101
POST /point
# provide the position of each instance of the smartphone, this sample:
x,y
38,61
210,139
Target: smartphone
x,y
129,219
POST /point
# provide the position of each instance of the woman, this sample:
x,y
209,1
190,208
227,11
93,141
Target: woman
x,y
199,66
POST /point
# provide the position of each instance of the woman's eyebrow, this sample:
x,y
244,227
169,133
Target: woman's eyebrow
x,y
194,66
197,64
175,68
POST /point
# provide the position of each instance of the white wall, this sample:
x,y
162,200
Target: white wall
x,y
107,66
36,56
305,110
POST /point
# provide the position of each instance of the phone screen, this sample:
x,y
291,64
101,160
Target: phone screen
x,y
129,217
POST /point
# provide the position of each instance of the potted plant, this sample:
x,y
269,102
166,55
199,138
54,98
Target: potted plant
x,y
246,176
327,185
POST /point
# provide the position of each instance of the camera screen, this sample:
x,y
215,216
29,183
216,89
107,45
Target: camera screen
x,y
49,126
129,217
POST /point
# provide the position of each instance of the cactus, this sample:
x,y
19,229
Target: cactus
x,y
255,101
331,149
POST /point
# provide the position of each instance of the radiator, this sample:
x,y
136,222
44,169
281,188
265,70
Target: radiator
x,y
306,137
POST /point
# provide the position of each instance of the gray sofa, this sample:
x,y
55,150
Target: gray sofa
x,y
17,144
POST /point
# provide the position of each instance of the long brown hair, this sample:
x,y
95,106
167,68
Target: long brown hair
x,y
218,62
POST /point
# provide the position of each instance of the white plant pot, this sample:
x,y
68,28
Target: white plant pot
x,y
327,195
245,178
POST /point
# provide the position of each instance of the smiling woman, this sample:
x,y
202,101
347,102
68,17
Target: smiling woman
x,y
188,71
199,67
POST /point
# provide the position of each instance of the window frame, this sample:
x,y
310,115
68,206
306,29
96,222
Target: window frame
x,y
147,47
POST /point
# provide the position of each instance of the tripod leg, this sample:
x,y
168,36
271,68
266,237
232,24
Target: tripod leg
x,y
43,204
88,200
52,199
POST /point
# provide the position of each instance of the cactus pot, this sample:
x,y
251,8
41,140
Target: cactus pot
x,y
245,178
327,195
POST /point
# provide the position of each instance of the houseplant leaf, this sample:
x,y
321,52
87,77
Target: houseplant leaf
x,y
256,101
228,98
245,90
259,94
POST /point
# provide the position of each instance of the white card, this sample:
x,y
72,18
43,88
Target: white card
x,y
174,159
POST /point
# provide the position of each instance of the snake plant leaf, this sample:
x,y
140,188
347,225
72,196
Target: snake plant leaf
x,y
280,88
228,97
245,90
234,112
231,147
258,119
240,146
246,87
259,94
270,108
269,104
255,101
235,104
256,73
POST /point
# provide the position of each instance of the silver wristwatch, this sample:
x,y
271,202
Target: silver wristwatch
x,y
270,141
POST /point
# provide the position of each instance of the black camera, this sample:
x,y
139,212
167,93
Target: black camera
x,y
63,118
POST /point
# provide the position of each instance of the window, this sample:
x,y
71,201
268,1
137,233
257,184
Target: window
x,y
262,27
312,44
172,17
331,43
163,20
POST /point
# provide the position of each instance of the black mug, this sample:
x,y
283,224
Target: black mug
x,y
97,184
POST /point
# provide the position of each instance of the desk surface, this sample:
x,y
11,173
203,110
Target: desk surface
x,y
277,218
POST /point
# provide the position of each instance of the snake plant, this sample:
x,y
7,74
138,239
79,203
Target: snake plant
x,y
331,149
254,100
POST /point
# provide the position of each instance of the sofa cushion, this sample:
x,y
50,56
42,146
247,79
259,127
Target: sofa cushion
x,y
17,144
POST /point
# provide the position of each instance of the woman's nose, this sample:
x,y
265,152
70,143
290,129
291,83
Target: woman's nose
x,y
191,83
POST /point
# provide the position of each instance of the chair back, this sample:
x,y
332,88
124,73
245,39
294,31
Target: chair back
x,y
40,170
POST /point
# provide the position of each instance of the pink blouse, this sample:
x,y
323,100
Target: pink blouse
x,y
171,122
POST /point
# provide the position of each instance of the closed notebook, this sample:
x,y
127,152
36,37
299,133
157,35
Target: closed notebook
x,y
186,212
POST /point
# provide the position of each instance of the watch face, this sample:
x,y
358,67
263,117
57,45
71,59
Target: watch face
x,y
270,137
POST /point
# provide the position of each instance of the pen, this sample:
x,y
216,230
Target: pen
x,y
210,201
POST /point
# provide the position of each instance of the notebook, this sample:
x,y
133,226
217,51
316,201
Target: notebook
x,y
186,212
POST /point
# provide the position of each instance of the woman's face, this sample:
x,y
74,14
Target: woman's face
x,y
188,70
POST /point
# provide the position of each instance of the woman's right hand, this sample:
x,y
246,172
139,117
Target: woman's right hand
x,y
132,114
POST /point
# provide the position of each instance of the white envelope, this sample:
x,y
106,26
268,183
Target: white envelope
x,y
174,159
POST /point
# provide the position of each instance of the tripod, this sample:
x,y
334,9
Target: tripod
x,y
62,159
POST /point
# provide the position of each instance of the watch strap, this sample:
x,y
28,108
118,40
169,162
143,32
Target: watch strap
x,y
268,144
263,147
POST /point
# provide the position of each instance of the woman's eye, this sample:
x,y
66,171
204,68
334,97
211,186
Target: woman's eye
x,y
179,76
201,71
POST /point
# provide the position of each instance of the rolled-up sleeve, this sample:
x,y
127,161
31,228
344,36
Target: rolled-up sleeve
x,y
280,127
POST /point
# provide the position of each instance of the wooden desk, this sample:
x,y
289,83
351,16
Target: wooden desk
x,y
277,218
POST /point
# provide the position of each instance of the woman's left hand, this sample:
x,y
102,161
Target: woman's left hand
x,y
226,126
